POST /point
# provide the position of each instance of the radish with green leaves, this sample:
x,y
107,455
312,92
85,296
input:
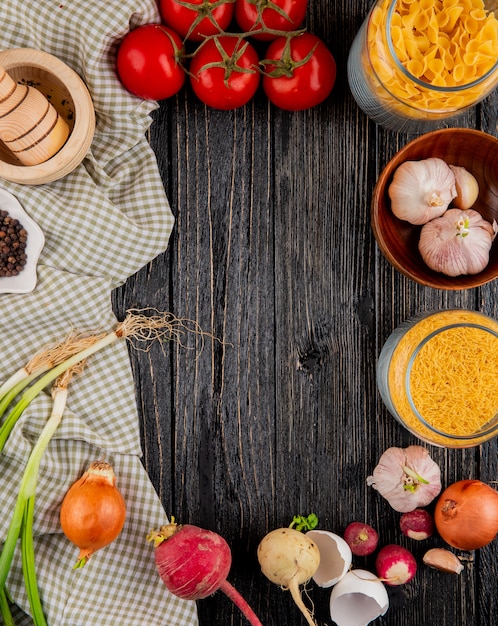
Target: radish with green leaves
x,y
289,558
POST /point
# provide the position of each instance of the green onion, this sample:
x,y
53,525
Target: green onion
x,y
28,564
8,620
37,387
28,483
58,364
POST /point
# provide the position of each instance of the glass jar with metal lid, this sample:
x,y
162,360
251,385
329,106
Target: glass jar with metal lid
x,y
437,374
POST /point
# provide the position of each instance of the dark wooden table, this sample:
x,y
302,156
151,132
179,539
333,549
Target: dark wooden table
x,y
273,255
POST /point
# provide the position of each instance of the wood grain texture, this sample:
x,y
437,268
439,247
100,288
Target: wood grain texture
x,y
68,94
273,256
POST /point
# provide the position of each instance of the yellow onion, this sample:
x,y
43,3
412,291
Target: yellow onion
x,y
466,514
93,511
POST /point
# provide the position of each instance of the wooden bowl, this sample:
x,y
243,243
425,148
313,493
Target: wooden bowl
x,y
398,240
69,95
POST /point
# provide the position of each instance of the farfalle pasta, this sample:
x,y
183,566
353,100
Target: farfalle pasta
x,y
432,56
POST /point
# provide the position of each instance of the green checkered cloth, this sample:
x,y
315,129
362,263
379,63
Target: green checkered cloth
x,y
102,223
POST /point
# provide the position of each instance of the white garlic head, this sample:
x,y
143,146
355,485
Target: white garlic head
x,y
457,243
422,190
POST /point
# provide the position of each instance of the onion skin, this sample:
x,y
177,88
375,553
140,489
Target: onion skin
x,y
93,511
466,514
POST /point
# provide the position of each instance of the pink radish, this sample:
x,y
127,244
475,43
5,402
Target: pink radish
x,y
361,538
395,565
193,563
417,524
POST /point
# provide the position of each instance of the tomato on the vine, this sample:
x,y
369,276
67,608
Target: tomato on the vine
x,y
299,71
276,15
196,19
148,62
224,72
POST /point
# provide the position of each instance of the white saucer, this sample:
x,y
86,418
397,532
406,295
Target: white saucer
x,y
25,281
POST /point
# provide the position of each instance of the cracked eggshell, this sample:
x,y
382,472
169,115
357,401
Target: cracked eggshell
x,y
357,599
335,557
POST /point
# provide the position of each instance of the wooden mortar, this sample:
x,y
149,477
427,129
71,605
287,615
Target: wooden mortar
x,y
68,94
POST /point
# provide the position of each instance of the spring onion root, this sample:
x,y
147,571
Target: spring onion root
x,y
137,327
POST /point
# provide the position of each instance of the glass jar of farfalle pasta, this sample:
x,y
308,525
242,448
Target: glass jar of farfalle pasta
x,y
416,63
437,375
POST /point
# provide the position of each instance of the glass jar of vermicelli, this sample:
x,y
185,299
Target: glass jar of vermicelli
x,y
416,63
437,374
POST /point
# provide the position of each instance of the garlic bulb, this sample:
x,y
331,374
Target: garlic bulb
x,y
467,187
422,190
407,478
457,243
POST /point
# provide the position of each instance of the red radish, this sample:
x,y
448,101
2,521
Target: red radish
x,y
417,524
361,538
395,565
193,563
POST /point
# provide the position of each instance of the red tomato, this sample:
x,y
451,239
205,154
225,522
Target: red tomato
x,y
224,72
200,20
148,62
282,15
299,72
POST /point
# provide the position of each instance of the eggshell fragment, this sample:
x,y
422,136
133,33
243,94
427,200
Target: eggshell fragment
x,y
335,557
358,599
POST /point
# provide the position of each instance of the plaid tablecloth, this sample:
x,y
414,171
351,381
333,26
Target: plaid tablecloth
x,y
102,223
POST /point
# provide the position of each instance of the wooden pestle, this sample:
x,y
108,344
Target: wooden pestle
x,y
30,127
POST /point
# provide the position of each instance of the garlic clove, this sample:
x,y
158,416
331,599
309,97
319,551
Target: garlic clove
x,y
422,190
443,560
467,187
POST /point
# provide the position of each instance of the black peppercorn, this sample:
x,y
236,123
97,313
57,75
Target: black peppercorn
x,y
13,237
